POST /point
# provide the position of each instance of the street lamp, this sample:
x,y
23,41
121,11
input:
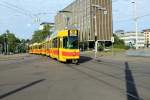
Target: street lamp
x,y
98,7
136,22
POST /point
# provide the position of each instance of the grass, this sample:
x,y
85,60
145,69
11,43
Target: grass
x,y
106,53
118,50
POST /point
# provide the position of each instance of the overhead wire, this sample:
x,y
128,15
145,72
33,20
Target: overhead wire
x,y
29,14
22,11
130,19
15,9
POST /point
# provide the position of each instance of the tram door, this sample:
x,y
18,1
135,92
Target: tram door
x,y
58,47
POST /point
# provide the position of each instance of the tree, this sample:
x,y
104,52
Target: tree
x,y
118,43
40,35
10,39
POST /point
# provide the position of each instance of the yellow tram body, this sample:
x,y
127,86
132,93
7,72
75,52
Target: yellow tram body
x,y
62,46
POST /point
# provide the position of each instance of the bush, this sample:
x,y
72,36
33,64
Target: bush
x,y
100,48
119,43
127,47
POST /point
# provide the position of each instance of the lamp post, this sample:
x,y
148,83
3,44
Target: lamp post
x,y
136,22
98,7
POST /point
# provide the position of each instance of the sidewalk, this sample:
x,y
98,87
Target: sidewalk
x,y
117,56
139,53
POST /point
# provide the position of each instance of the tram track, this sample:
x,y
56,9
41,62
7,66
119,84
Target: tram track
x,y
118,66
77,68
113,76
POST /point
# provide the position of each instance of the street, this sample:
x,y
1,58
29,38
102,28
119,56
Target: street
x,y
34,77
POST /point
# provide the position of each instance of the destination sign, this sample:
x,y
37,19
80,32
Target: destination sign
x,y
73,32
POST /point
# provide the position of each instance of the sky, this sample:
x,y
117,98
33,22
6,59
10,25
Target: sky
x,y
19,16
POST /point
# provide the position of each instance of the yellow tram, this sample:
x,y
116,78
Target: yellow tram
x,y
63,46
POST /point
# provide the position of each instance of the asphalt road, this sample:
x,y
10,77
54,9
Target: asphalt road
x,y
32,77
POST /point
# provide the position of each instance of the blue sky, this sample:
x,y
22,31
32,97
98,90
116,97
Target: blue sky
x,y
22,24
123,14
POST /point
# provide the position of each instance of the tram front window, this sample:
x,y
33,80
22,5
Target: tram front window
x,y
70,42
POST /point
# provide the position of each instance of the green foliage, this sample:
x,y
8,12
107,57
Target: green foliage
x,y
40,35
119,43
14,43
22,47
100,48
47,27
10,39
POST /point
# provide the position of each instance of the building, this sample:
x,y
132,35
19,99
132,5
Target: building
x,y
130,39
93,18
119,32
147,37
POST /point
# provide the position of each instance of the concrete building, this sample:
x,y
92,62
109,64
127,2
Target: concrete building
x,y
119,32
93,18
147,37
130,39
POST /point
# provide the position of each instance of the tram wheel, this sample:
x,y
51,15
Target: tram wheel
x,y
75,61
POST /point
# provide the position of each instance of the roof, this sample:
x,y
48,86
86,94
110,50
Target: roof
x,y
43,23
146,30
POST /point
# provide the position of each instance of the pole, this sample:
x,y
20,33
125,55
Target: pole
x,y
68,19
112,41
7,49
97,7
5,44
112,48
104,46
4,47
136,22
95,36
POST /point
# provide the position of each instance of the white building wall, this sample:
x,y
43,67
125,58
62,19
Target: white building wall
x,y
130,39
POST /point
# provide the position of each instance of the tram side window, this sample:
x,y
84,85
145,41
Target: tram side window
x,y
55,43
40,47
48,44
51,45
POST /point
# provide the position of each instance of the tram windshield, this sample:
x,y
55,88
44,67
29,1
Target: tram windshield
x,y
70,42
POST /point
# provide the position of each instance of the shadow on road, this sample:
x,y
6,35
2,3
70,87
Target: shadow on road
x,y
21,88
132,93
84,59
